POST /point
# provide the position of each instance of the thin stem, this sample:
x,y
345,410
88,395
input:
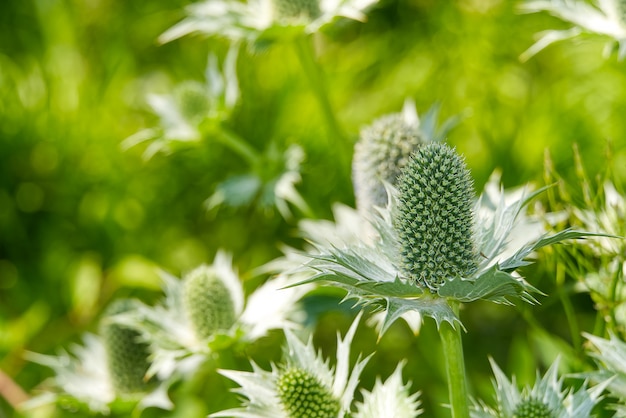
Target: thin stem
x,y
11,391
306,55
237,145
455,366
568,307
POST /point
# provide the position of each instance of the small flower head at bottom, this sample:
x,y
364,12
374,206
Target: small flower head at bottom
x,y
546,399
305,386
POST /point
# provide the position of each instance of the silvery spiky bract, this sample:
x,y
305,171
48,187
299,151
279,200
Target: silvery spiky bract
x,y
434,221
200,315
127,354
605,17
610,357
390,399
371,268
546,398
383,150
288,389
261,21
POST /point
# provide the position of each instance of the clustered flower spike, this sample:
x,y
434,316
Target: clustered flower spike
x,y
545,399
604,18
434,221
127,354
304,386
207,311
295,10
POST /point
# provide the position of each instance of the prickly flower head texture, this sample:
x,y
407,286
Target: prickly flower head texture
x,y
127,355
294,10
304,386
208,302
382,151
545,399
435,217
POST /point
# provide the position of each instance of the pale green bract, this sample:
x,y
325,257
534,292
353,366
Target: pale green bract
x,y
263,21
261,388
605,18
546,398
368,267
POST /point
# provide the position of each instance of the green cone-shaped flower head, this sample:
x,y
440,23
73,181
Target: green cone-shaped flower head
x,y
208,302
127,355
434,221
380,154
532,408
193,100
288,11
302,395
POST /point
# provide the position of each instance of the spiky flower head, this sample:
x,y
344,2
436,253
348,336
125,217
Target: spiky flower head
x,y
206,312
610,357
192,98
303,386
434,221
382,151
294,11
127,354
208,302
545,399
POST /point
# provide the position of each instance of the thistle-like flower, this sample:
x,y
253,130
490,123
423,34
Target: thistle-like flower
x,y
384,148
263,21
305,385
433,247
610,358
391,399
206,312
107,372
192,107
606,18
545,399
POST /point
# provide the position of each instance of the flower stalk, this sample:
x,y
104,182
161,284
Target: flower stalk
x,y
455,366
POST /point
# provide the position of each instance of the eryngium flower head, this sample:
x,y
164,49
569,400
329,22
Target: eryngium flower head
x,y
434,222
305,385
127,355
381,152
208,302
295,10
546,398
610,357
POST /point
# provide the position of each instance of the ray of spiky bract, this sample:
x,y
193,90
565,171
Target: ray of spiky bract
x,y
127,355
382,151
288,10
390,399
434,222
302,395
208,302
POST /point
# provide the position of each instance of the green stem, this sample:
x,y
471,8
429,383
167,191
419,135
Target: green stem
x,y
306,55
455,366
237,145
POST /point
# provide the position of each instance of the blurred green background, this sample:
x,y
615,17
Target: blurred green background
x,y
82,221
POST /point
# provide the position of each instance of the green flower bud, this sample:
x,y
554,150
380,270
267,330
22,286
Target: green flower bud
x,y
434,222
193,100
380,154
208,302
127,355
295,10
303,396
532,408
